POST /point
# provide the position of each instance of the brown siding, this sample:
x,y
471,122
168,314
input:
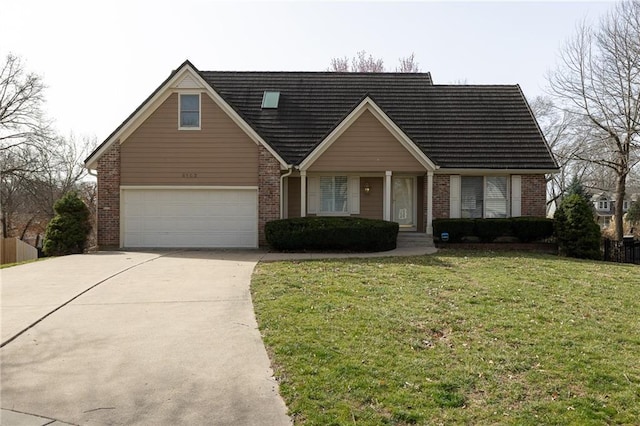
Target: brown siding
x,y
220,153
371,204
366,146
293,203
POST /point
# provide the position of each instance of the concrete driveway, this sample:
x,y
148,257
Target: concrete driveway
x,y
156,338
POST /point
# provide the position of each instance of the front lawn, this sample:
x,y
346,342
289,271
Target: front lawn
x,y
453,338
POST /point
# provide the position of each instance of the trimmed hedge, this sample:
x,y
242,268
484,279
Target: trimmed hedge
x,y
525,229
332,233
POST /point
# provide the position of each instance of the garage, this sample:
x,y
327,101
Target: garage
x,y
189,217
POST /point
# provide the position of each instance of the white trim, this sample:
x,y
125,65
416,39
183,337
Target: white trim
x,y
303,193
429,224
187,187
189,93
368,104
163,94
455,205
516,195
353,194
494,172
386,204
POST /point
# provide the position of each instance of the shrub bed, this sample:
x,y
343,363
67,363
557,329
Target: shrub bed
x,y
332,233
524,229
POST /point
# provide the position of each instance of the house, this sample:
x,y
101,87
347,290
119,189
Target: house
x,y
604,204
210,157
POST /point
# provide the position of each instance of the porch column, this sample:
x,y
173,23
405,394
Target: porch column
x,y
386,214
303,193
429,203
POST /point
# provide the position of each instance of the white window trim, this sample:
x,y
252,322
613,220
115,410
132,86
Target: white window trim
x,y
603,204
455,199
199,126
314,203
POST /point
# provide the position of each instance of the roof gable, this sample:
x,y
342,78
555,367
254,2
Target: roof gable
x,y
367,105
185,78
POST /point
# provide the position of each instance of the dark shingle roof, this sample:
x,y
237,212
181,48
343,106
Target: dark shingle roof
x,y
456,126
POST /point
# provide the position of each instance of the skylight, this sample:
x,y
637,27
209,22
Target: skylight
x,y
270,99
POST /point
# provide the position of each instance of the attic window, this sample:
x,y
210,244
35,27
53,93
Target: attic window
x,y
270,99
189,109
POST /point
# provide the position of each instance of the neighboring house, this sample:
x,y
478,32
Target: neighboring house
x,y
210,157
604,204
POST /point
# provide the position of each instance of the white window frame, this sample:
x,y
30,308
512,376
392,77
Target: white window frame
x,y
458,202
321,204
180,126
625,205
603,204
314,197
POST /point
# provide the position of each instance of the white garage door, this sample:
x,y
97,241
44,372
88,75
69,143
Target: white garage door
x,y
190,217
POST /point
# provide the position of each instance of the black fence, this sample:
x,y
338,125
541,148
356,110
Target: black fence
x,y
626,251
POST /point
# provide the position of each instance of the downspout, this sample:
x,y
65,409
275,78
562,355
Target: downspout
x,y
95,174
290,168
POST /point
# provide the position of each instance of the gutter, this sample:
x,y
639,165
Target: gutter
x,y
92,173
290,168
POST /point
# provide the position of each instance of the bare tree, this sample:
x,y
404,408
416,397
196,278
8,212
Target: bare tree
x,y
408,64
363,62
36,166
598,82
22,126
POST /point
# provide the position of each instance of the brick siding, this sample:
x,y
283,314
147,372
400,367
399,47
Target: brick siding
x,y
441,191
534,195
109,198
268,191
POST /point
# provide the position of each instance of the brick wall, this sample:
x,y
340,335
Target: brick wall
x,y
268,191
534,195
108,220
441,196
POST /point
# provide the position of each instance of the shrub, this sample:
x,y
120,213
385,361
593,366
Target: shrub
x,y
633,213
456,228
332,233
577,232
67,232
529,229
525,229
490,229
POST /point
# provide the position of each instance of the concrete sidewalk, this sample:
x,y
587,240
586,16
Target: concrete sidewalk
x,y
398,252
170,338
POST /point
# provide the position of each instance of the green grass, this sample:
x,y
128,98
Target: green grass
x,y
453,338
9,265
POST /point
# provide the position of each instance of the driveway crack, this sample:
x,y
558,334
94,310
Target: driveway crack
x,y
39,320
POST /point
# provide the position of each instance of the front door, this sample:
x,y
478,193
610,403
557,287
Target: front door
x,y
404,202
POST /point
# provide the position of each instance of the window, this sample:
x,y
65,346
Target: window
x,y
603,205
333,194
190,112
625,205
270,99
483,197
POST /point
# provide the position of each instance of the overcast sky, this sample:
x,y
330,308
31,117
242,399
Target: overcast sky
x,y
100,60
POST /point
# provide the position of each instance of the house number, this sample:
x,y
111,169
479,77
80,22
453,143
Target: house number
x,y
189,175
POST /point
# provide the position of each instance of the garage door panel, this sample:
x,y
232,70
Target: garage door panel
x,y
190,218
